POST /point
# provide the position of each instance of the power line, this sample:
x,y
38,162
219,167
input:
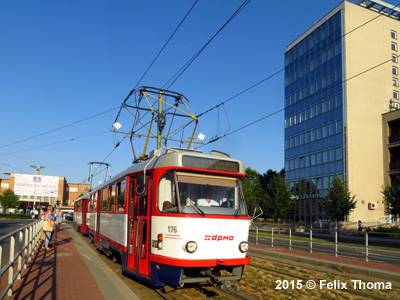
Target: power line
x,y
154,60
166,43
55,143
298,59
191,60
263,80
59,128
282,109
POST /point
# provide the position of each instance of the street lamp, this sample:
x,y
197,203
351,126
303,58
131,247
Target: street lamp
x,y
37,169
37,173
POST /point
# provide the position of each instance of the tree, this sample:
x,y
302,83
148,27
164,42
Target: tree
x,y
279,203
252,188
9,199
391,196
339,202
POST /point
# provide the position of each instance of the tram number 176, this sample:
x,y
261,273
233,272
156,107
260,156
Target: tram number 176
x,y
172,229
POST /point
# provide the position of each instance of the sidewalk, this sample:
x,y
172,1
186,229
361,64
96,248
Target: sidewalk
x,y
389,272
70,270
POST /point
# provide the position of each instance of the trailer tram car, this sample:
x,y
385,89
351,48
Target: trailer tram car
x,y
81,222
155,218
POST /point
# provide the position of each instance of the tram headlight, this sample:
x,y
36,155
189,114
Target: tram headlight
x,y
243,246
191,246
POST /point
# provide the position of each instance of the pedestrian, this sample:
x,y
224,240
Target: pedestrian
x,y
59,218
360,227
48,226
32,214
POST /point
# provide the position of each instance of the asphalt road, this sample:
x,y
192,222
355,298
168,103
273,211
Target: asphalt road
x,y
7,226
384,256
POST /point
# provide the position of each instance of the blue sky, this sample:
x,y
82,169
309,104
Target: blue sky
x,y
64,61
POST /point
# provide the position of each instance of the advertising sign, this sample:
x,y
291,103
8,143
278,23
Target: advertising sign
x,y
36,185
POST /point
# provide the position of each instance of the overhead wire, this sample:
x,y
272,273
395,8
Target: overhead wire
x,y
245,90
282,109
55,143
298,59
59,128
166,43
193,58
149,67
154,60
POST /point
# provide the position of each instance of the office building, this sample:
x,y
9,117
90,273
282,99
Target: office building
x,y
39,191
339,78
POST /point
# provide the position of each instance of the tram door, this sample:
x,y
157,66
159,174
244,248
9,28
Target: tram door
x,y
97,228
138,228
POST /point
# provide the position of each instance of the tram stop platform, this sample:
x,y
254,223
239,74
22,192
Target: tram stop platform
x,y
70,270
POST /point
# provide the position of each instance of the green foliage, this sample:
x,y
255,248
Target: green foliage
x,y
15,216
279,202
391,229
9,199
391,196
252,189
270,191
339,201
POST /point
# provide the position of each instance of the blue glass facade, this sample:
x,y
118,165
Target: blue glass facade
x,y
314,121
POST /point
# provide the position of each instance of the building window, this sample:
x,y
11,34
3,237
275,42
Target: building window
x,y
395,71
395,82
394,46
395,95
394,58
393,34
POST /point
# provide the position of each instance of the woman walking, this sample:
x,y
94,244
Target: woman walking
x,y
48,226
59,218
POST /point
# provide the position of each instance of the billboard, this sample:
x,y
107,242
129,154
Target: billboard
x,y
36,185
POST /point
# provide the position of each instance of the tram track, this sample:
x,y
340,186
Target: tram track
x,y
364,294
206,290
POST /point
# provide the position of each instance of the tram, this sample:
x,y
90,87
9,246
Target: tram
x,y
81,222
178,217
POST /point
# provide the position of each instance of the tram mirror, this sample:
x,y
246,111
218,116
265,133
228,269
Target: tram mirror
x,y
141,186
256,207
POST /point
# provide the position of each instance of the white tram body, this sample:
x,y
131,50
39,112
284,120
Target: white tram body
x,y
157,219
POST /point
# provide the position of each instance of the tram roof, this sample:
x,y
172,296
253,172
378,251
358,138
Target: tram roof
x,y
86,196
171,158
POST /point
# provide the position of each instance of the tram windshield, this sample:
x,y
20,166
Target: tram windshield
x,y
180,192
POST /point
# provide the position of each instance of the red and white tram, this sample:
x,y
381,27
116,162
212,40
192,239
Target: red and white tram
x,y
81,223
156,218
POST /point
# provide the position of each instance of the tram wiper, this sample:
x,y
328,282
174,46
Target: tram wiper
x,y
199,210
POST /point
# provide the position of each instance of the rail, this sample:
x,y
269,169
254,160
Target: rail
x,y
20,245
374,246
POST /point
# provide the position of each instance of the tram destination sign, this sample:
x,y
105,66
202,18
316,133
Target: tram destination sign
x,y
210,164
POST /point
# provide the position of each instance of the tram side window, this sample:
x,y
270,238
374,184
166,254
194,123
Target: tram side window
x,y
79,206
167,200
121,188
106,195
91,203
111,200
94,202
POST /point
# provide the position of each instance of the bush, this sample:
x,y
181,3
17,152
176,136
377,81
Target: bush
x,y
383,229
15,216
